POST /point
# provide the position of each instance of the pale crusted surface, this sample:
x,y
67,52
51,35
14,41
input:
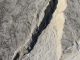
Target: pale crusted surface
x,y
59,20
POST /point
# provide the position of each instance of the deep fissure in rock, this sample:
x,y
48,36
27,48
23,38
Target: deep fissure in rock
x,y
17,56
46,20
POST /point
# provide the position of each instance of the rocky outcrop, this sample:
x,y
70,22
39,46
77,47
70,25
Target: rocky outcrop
x,y
45,41
71,36
39,30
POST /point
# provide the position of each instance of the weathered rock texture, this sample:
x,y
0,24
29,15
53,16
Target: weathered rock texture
x,y
39,30
71,36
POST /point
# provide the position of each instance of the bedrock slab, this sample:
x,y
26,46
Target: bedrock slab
x,y
39,30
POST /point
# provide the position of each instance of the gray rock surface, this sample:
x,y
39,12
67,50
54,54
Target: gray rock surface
x,y
18,18
71,36
39,30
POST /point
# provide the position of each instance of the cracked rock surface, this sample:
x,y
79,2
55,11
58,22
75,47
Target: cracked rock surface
x,y
39,30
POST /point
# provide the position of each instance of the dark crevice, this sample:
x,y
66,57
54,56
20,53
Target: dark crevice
x,y
46,20
17,56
